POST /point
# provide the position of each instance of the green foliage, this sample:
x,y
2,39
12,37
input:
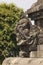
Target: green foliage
x,y
9,15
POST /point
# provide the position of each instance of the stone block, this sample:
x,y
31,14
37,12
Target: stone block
x,y
40,47
40,54
23,61
33,54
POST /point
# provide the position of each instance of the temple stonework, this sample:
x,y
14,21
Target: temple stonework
x,y
36,14
30,37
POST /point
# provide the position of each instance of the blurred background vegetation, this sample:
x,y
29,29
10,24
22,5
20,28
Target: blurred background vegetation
x,y
9,15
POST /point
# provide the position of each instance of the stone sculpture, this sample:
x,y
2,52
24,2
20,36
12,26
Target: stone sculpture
x,y
36,14
26,38
22,30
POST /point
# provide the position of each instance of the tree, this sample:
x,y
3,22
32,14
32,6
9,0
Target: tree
x,y
9,15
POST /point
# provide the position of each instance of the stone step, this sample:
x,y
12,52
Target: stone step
x,y
23,61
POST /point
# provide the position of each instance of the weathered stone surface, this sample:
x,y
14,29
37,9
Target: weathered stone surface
x,y
33,54
39,54
26,37
40,51
40,38
36,14
22,30
36,7
40,47
23,61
